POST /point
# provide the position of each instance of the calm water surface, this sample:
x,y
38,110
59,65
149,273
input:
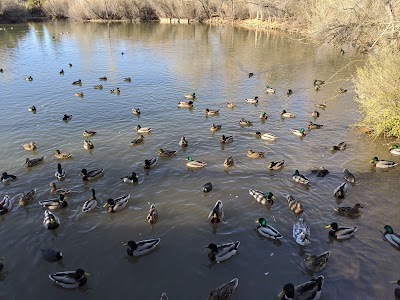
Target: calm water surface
x,y
165,62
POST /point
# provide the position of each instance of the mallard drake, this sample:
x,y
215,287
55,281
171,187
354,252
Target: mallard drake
x,y
127,79
222,252
150,163
196,164
104,78
226,139
70,279
392,237
32,109
183,142
115,91
91,203
79,94
341,91
266,136
299,132
318,82
29,78
130,178
341,146
395,150
300,178
397,290
87,133
215,127
276,165
229,162
78,82
141,247
50,221
165,153
320,171
341,233
230,105
138,140
217,214
88,145
54,204
341,191
254,154
263,198
320,105
285,114
207,187
301,232
62,155
141,129
27,198
6,178
252,100
91,174
152,216
114,205
33,162
51,255
98,87
5,205
136,111
263,116
294,205
55,190
267,230
289,92
315,114
210,112
316,263
29,146
67,118
224,291
383,164
310,290
191,96
269,89
244,122
348,176
312,125
185,104
349,211
62,72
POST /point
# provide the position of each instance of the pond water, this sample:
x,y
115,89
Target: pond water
x,y
165,62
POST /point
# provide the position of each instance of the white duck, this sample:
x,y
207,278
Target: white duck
x,y
301,232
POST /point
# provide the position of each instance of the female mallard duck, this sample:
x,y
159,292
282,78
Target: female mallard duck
x,y
230,105
299,132
30,78
224,291
138,140
312,125
349,211
141,247
104,78
70,279
252,100
341,191
348,176
229,162
67,118
316,263
215,127
130,178
254,154
383,164
27,198
301,232
294,205
54,204
341,91
55,190
183,142
276,165
341,146
268,137
87,133
341,233
32,109
210,112
269,89
165,153
152,216
207,187
127,79
217,214
267,230
62,155
196,164
115,91
315,114
226,139
320,171
50,221
263,116
51,255
6,178
392,237
91,203
300,178
141,129
114,205
265,199
79,94
395,150
244,122
222,252
320,105
33,162
285,114
88,145
78,82
150,163
136,111
29,146
5,205
310,290
185,104
191,96
86,176
98,87
318,82
397,290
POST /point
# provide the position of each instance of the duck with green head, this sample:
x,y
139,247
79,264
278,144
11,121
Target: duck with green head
x,y
195,164
60,202
263,198
217,214
267,230
383,164
392,237
299,132
219,253
395,150
342,232
310,290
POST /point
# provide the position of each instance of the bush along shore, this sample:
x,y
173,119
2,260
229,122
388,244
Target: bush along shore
x,y
367,26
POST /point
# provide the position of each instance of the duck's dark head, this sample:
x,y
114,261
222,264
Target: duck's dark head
x,y
132,245
287,292
60,198
394,147
212,247
256,98
334,226
358,205
80,273
296,172
388,229
262,222
93,193
302,130
374,160
4,175
283,112
84,172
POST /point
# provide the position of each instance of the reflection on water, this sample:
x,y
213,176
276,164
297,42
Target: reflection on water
x,y
165,62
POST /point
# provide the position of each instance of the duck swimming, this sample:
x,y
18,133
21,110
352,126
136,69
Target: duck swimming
x,y
5,205
55,190
318,82
141,129
29,78
341,233
33,162
104,78
114,205
67,118
276,165
150,163
315,114
341,146
6,178
230,105
392,237
207,187
87,133
91,203
289,92
252,100
50,221
267,230
127,79
226,139
215,127
300,178
27,198
91,174
195,164
165,153
349,211
32,109
219,253
285,114
70,279
62,155
62,72
191,96
254,154
244,122
98,87
78,82
383,164
183,142
88,145
115,91
224,291
299,132
310,290
269,89
138,140
301,232
216,214
185,104
316,263
79,94
141,247
263,116
395,150
136,111
54,204
268,137
229,162
294,205
263,198
210,112
348,176
320,105
130,178
312,125
152,216
341,191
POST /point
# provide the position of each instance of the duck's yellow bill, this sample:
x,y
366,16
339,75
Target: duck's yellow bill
x,y
105,205
257,221
393,282
281,294
87,274
273,198
328,226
